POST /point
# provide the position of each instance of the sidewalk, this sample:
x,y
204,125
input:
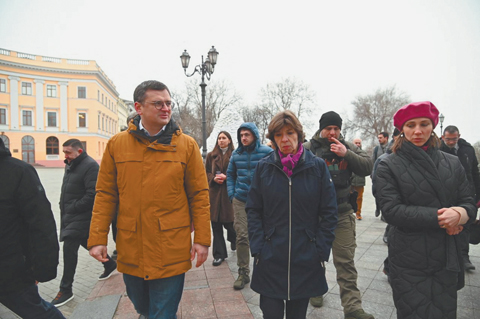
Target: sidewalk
x,y
209,290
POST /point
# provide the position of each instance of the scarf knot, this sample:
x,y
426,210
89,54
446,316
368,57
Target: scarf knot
x,y
289,161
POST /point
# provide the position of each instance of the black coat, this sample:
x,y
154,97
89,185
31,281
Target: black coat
x,y
425,264
466,155
77,197
28,234
221,209
289,245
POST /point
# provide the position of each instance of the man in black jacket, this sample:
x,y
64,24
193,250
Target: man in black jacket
x,y
76,205
28,238
453,144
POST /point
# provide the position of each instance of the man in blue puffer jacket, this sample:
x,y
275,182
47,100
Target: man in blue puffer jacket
x,y
239,177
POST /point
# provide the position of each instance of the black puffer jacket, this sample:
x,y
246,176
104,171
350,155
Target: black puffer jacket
x,y
77,197
28,235
466,155
425,268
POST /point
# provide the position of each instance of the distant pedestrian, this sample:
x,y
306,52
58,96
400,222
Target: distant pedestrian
x,y
292,215
153,175
382,147
358,184
28,239
424,195
453,144
221,209
76,204
239,176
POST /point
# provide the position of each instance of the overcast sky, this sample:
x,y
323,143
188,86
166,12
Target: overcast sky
x,y
429,49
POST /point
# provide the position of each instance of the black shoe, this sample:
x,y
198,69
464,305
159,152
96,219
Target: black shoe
x,y
467,264
62,298
233,246
377,212
385,239
109,269
217,261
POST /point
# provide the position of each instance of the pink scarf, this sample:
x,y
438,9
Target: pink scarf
x,y
289,161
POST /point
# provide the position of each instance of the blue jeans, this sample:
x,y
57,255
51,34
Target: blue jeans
x,y
29,305
157,298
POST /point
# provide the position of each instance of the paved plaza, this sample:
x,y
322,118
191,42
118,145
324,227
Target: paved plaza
x,y
208,290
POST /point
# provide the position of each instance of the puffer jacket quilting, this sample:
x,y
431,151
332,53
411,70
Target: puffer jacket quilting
x,y
425,268
243,162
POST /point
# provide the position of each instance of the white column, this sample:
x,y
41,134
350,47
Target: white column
x,y
63,106
14,119
39,107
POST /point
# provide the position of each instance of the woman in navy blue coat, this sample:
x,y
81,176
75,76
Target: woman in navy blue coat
x,y
292,214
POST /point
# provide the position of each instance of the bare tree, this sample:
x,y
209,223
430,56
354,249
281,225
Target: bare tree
x,y
476,146
288,94
373,113
188,112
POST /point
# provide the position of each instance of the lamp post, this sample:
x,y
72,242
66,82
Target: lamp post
x,y
441,118
206,70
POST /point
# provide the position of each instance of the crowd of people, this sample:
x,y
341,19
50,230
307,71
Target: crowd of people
x,y
289,205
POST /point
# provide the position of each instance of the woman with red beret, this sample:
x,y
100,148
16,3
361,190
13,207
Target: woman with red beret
x,y
423,193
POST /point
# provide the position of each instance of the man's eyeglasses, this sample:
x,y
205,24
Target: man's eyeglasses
x,y
160,104
451,139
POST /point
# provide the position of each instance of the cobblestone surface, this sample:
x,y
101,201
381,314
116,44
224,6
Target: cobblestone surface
x,y
210,288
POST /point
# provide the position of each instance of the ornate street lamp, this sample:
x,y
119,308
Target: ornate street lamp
x,y
441,118
206,70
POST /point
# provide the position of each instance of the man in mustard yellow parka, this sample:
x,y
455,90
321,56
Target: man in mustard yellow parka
x,y
154,174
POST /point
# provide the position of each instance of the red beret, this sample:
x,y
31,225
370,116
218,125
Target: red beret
x,y
415,110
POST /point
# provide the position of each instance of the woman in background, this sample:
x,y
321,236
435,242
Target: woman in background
x,y
221,210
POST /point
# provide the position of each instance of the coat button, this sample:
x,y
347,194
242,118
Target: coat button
x,y
146,277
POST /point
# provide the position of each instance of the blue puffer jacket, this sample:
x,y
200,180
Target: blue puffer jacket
x,y
291,223
243,162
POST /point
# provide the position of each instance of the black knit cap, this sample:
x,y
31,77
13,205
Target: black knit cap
x,y
330,118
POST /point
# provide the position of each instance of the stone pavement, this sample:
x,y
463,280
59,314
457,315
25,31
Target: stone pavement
x,y
208,290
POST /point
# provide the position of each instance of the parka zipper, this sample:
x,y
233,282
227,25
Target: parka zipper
x,y
289,231
289,227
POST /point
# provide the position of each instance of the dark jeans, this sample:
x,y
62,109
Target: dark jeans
x,y
275,308
29,305
157,298
70,259
219,246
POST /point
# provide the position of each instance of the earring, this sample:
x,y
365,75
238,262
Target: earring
x,y
401,135
433,134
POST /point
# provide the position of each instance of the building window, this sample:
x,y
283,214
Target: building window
x,y
27,118
99,127
3,116
102,100
82,119
52,146
3,85
52,119
82,92
26,88
51,90
98,97
6,141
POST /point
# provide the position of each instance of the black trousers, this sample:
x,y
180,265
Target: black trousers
x,y
464,240
219,246
70,259
275,308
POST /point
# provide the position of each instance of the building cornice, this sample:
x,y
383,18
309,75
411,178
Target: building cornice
x,y
62,71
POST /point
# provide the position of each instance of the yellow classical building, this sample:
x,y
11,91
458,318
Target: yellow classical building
x,y
45,101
